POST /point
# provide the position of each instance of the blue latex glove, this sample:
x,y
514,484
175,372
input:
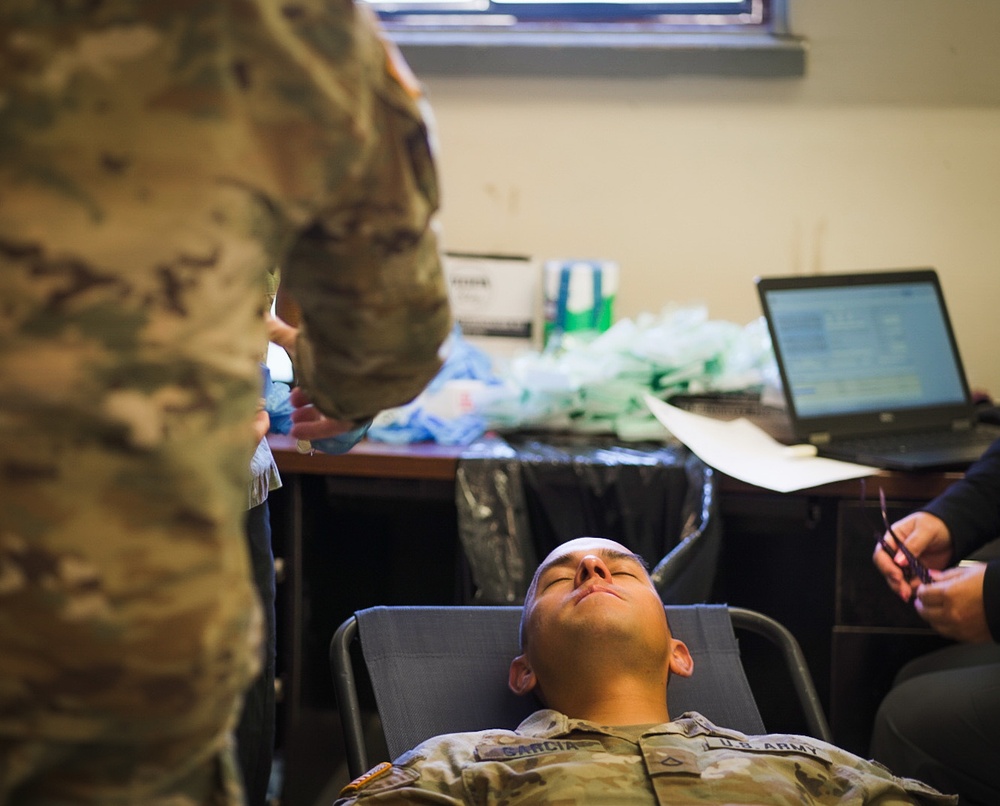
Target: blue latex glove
x,y
342,443
276,403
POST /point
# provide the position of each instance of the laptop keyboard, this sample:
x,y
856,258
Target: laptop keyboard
x,y
920,442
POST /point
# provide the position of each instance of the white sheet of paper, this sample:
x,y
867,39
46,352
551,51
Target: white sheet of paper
x,y
740,449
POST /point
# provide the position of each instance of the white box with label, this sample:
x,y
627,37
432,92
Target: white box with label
x,y
497,300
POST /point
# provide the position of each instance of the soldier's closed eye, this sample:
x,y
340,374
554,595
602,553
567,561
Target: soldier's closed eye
x,y
549,581
628,568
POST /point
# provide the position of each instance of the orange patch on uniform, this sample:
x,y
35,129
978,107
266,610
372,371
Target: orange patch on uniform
x,y
375,772
400,70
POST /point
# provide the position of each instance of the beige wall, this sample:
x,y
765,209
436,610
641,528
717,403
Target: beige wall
x,y
885,154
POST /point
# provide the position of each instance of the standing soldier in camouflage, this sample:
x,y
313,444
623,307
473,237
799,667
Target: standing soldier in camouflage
x,y
157,159
598,652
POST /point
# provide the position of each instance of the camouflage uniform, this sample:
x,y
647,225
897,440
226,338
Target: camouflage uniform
x,y
157,158
551,759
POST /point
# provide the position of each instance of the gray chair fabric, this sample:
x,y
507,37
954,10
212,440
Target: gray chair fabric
x,y
439,670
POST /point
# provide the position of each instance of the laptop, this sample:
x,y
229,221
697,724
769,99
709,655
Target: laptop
x,y
871,371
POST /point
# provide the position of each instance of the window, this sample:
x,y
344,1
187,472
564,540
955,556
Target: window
x,y
551,14
490,36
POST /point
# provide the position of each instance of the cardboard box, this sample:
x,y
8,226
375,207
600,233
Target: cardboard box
x,y
497,300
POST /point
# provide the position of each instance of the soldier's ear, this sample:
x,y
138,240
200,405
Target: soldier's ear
x,y
681,662
521,679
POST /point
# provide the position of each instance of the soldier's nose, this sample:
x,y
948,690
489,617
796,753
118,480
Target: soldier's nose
x,y
591,566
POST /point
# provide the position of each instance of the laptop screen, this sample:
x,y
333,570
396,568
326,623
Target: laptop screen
x,y
850,344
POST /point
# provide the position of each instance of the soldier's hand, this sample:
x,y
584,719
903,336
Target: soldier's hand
x,y
927,537
281,333
310,423
953,604
261,424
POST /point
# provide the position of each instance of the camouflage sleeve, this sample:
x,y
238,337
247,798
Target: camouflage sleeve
x,y
918,792
388,784
882,787
430,773
364,266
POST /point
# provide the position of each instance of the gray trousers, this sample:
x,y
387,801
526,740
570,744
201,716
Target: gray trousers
x,y
940,723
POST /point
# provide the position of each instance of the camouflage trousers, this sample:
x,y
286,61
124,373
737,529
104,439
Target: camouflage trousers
x,y
129,628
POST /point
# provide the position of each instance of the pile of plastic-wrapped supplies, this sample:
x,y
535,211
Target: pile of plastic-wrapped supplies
x,y
584,383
